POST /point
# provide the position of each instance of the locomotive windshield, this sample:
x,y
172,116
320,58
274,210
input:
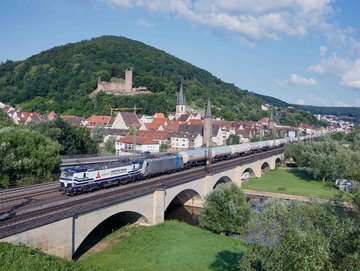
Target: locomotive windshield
x,y
66,175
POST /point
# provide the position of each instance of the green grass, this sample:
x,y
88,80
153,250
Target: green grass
x,y
292,181
20,258
168,246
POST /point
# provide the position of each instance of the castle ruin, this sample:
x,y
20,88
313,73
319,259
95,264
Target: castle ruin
x,y
119,86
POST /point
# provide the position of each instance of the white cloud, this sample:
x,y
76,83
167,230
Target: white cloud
x,y
145,23
357,102
346,69
252,19
296,80
316,69
300,101
323,50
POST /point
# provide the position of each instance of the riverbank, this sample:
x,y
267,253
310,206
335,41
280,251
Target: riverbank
x,y
171,245
293,181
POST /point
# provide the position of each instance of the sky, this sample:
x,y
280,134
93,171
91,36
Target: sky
x,y
300,51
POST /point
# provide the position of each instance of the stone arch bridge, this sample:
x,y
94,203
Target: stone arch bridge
x,y
62,236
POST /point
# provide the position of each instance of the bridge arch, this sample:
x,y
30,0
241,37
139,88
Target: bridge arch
x,y
187,197
248,173
223,180
265,167
106,227
278,162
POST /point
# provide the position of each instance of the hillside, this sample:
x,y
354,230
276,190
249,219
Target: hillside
x,y
353,112
61,79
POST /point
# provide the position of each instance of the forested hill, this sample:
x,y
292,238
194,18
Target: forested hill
x,y
61,79
337,111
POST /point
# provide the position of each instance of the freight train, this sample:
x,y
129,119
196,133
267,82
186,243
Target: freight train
x,y
78,180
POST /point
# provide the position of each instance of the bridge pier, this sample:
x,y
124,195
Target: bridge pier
x,y
158,207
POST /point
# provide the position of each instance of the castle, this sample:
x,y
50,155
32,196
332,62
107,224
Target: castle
x,y
120,86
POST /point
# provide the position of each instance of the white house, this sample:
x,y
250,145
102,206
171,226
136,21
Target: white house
x,y
183,141
125,144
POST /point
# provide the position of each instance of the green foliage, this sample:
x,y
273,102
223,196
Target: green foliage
x,y
15,258
110,145
61,79
338,136
327,159
294,117
163,146
225,210
301,236
5,120
98,133
233,140
73,139
27,157
324,159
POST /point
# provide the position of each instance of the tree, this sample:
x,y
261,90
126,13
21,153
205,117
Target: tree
x,y
73,139
110,145
233,140
225,210
5,120
301,236
98,133
320,158
27,157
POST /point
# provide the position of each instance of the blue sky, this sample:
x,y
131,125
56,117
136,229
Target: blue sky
x,y
300,51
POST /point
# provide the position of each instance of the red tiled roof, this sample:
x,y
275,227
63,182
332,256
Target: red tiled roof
x,y
139,140
93,120
155,135
129,118
264,120
159,116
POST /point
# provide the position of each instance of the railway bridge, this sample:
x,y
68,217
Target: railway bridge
x,y
58,224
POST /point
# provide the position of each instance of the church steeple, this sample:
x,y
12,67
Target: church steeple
x,y
208,109
207,135
180,103
181,97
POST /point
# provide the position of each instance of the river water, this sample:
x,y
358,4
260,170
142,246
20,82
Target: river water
x,y
190,215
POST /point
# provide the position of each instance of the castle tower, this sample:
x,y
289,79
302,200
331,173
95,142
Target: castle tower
x,y
208,125
180,103
128,80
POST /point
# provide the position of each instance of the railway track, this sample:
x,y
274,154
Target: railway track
x,y
4,193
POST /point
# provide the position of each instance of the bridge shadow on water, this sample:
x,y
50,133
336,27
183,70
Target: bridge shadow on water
x,y
105,228
187,214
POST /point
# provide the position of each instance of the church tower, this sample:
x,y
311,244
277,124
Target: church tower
x,y
180,103
208,125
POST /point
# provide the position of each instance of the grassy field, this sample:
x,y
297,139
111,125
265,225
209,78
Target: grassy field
x,y
168,246
19,258
291,181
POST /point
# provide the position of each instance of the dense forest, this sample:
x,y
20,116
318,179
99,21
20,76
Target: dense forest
x,y
61,79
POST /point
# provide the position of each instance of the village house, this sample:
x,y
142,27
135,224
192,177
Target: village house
x,y
126,144
126,120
